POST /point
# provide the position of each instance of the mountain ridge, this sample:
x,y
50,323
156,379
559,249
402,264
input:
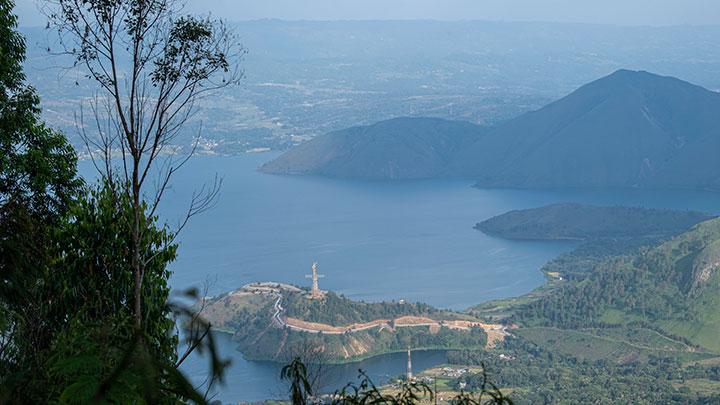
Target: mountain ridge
x,y
572,221
400,148
627,129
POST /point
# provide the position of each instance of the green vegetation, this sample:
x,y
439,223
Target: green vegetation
x,y
673,287
624,345
338,310
629,322
583,222
252,320
536,374
85,308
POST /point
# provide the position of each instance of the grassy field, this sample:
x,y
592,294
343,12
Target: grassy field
x,y
502,308
700,386
705,329
702,330
643,338
621,346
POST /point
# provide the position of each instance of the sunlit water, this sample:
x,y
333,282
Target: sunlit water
x,y
373,240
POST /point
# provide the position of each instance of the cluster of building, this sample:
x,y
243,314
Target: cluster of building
x,y
453,372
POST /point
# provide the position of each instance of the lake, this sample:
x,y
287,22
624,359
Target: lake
x,y
373,241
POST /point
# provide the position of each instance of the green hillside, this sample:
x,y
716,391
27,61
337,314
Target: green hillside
x,y
639,324
277,324
673,288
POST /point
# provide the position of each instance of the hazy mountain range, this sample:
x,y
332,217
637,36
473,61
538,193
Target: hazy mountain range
x,y
627,129
307,78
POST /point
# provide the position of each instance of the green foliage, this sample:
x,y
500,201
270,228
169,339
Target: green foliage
x,y
37,165
191,54
300,388
67,287
37,185
97,281
366,392
670,287
87,345
540,375
337,310
588,222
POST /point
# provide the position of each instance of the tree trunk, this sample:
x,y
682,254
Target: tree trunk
x,y
137,268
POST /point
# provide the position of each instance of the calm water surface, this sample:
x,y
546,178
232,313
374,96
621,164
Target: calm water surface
x,y
373,240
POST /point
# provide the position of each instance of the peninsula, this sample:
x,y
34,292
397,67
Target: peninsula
x,y
274,321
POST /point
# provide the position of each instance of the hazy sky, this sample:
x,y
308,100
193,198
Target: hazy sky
x,y
624,12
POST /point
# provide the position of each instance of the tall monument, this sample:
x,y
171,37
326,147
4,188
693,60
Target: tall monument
x,y
315,293
409,367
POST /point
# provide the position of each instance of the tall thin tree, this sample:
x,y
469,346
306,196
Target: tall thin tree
x,y
152,65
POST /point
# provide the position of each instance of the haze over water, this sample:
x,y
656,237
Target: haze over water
x,y
374,241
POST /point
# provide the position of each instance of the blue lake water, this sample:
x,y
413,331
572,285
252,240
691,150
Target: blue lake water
x,y
373,241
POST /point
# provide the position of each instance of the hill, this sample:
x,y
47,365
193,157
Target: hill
x,y
402,148
673,289
636,326
625,130
271,321
628,129
582,222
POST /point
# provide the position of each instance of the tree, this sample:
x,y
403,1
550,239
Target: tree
x,y
97,354
37,165
37,185
151,66
70,260
366,392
